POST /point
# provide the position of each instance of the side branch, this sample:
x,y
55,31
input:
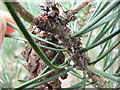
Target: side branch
x,y
78,7
69,15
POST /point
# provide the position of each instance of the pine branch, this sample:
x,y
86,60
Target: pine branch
x,y
25,14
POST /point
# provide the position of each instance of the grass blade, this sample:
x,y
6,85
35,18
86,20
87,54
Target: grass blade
x,y
111,62
102,50
57,55
75,73
51,78
22,86
118,70
26,84
78,85
34,36
104,31
103,21
12,25
106,58
98,18
22,39
101,73
102,41
84,80
104,4
117,74
105,53
93,16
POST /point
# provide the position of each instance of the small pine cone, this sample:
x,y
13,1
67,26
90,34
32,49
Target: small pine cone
x,y
35,65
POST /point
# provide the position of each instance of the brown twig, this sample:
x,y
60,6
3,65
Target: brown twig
x,y
25,14
70,13
78,7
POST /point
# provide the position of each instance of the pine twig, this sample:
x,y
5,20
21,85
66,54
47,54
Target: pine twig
x,y
25,14
69,15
